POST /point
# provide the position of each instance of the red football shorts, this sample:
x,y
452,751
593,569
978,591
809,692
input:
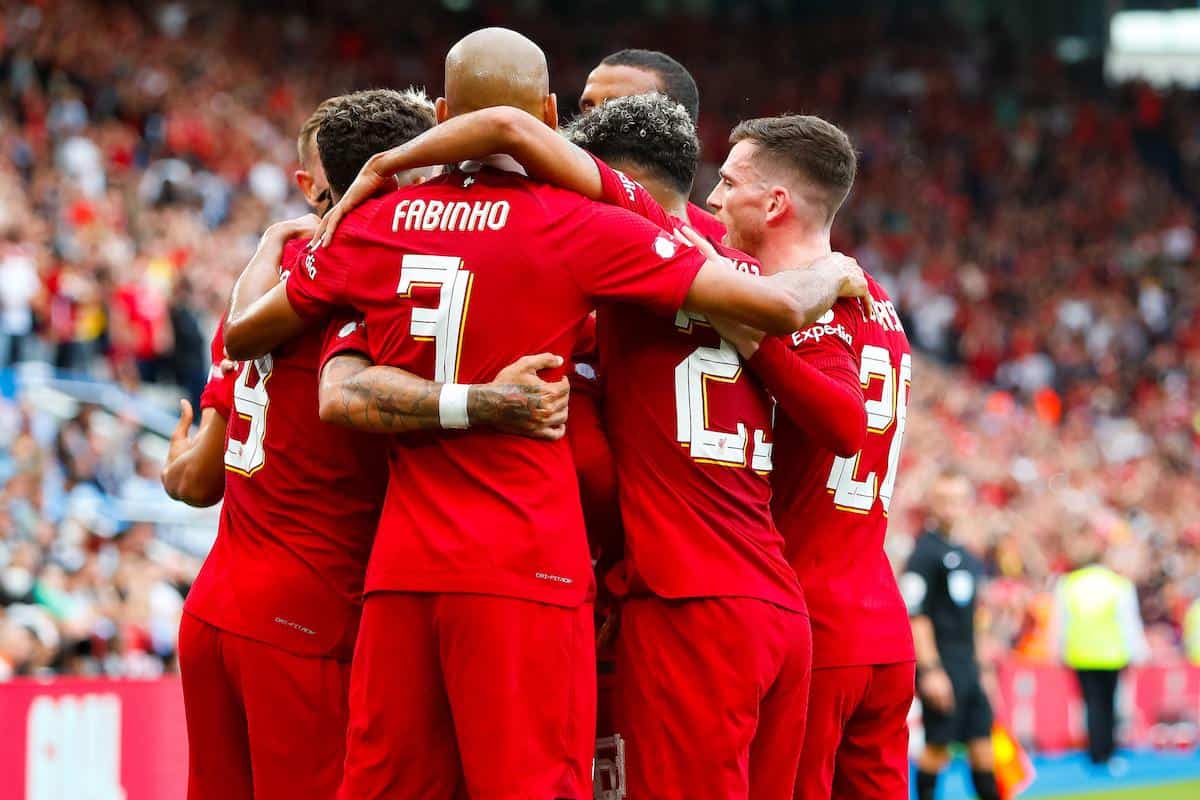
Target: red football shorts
x,y
471,695
710,697
262,723
856,747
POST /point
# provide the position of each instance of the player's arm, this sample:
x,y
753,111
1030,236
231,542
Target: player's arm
x,y
538,148
260,315
621,257
355,393
195,468
816,384
778,304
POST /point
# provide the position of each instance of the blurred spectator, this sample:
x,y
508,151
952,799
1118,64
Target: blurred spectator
x,y
190,354
20,286
82,590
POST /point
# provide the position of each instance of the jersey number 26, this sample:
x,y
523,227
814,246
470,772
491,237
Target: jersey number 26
x,y
858,494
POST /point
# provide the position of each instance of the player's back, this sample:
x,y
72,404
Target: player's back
x,y
833,510
302,499
459,277
690,430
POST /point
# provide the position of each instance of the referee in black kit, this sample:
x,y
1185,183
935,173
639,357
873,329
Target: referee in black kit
x,y
940,585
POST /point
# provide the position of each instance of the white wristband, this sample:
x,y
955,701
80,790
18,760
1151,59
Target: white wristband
x,y
452,406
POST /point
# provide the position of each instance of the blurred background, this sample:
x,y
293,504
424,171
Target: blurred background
x,y
1028,193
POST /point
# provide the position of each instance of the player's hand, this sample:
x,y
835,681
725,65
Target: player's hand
x,y
936,689
181,438
744,338
519,401
369,181
304,227
853,279
689,236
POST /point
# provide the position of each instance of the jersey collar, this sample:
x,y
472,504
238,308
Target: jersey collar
x,y
499,161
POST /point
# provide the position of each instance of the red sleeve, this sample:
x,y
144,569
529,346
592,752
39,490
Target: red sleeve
x,y
317,280
344,335
621,190
813,375
615,255
218,391
708,225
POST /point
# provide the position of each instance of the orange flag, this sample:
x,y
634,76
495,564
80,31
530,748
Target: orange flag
x,y
1014,770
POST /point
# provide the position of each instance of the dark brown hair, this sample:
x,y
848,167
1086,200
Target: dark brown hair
x,y
819,152
361,124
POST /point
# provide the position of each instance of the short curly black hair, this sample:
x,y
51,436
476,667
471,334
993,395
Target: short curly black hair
x,y
674,79
649,131
356,126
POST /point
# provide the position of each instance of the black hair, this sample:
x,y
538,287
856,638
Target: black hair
x,y
676,82
649,131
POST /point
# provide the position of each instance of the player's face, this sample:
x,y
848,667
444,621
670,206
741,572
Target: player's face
x,y
740,199
609,81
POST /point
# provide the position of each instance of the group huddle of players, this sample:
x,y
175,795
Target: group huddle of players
x,y
401,601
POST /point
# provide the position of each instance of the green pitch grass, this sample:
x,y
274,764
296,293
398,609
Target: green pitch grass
x,y
1189,790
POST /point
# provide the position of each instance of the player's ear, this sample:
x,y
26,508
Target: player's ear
x,y
441,110
304,180
550,110
779,203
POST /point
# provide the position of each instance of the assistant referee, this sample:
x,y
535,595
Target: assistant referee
x,y
939,585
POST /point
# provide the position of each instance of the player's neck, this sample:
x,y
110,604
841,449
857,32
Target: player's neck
x,y
791,248
671,200
500,161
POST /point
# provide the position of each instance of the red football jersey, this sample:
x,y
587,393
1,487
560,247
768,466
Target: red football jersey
x,y
705,223
457,278
833,510
690,430
218,389
302,499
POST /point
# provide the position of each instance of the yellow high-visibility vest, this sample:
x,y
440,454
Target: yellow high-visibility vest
x,y
1191,632
1093,637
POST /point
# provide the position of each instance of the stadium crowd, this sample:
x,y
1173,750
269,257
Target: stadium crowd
x,y
1037,230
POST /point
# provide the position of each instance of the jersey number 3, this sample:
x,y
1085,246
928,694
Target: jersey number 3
x,y
444,324
849,492
250,403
